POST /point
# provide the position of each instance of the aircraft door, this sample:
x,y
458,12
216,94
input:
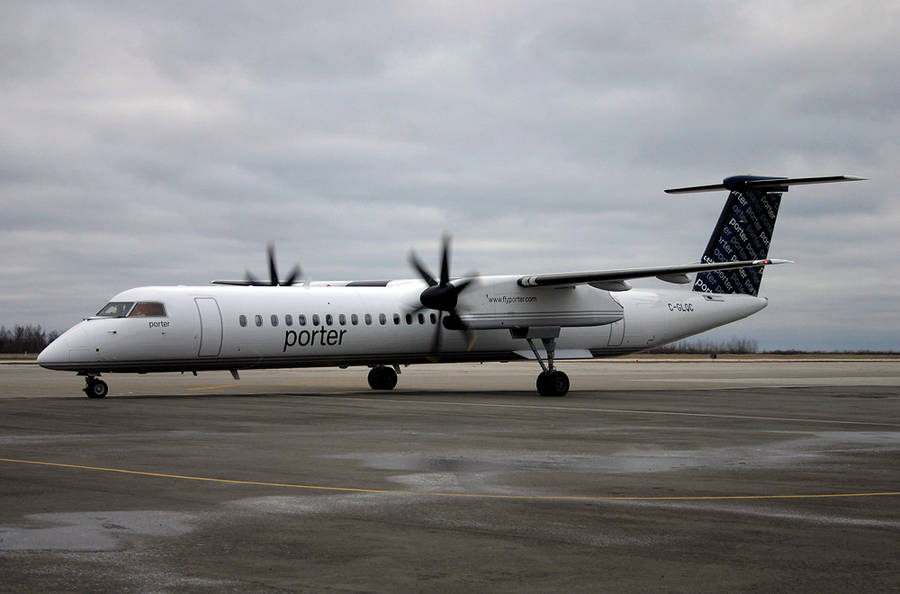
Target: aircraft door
x,y
210,326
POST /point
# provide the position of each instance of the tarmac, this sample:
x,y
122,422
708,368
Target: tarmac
x,y
650,475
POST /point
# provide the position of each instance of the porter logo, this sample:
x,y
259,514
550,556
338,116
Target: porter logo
x,y
320,337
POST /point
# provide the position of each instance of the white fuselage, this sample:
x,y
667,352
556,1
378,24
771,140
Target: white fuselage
x,y
202,327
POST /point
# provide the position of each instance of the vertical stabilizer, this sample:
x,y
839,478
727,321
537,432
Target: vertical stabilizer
x,y
743,232
745,228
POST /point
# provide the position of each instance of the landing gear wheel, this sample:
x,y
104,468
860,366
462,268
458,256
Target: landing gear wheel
x,y
382,378
552,383
96,388
542,382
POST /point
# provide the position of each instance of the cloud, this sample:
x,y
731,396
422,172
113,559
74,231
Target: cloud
x,y
166,143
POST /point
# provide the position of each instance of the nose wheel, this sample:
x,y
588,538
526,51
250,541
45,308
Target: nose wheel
x,y
552,383
96,388
382,378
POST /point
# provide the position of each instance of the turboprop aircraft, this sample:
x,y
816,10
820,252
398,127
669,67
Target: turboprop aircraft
x,y
386,324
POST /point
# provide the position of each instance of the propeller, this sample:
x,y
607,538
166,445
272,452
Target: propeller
x,y
273,272
443,296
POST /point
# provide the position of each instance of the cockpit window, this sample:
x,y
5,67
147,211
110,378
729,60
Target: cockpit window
x,y
148,309
115,309
130,309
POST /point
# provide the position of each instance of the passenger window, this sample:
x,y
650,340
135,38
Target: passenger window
x,y
354,319
342,319
301,319
396,319
258,319
382,319
274,319
421,318
433,318
148,309
315,319
329,319
409,318
243,321
368,318
288,320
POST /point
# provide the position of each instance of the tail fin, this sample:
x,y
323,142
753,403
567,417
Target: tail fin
x,y
745,227
743,232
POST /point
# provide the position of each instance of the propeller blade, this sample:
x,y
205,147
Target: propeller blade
x,y
435,352
414,309
471,339
420,268
465,329
294,275
470,335
445,259
436,343
463,284
443,297
273,272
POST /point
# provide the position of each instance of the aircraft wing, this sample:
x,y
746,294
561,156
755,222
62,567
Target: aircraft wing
x,y
615,279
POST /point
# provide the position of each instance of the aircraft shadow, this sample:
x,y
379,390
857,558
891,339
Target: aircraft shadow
x,y
367,394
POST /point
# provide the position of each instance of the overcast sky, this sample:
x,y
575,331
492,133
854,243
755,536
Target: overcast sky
x,y
167,142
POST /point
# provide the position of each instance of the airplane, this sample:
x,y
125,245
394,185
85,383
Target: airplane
x,y
385,324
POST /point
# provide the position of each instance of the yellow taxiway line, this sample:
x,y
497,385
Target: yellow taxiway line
x,y
204,388
585,498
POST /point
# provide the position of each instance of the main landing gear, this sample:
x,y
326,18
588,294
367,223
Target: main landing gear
x,y
551,381
382,378
95,388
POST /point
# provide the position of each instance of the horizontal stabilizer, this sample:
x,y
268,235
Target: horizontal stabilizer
x,y
740,183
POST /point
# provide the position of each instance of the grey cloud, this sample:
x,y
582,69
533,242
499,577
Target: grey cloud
x,y
166,142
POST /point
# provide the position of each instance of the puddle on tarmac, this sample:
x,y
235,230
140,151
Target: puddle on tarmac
x,y
90,531
810,448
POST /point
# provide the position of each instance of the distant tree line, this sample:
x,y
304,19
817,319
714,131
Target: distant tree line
x,y
25,339
736,346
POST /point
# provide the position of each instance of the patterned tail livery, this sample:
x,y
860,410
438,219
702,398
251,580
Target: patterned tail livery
x,y
745,228
743,232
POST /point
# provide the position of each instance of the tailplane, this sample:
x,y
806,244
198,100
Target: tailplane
x,y
745,227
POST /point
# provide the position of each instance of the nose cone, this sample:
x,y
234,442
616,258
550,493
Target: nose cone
x,y
55,355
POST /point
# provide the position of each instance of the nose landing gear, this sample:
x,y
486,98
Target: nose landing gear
x,y
552,383
382,378
95,388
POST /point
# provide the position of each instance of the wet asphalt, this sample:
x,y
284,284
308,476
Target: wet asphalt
x,y
650,476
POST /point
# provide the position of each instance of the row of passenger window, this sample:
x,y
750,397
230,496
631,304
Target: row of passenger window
x,y
341,320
